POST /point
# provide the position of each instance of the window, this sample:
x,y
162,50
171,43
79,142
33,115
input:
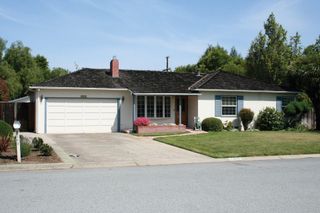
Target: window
x,y
167,108
150,106
159,106
229,105
154,106
140,106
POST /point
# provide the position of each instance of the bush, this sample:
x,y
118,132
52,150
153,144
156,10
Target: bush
x,y
294,112
228,125
37,143
141,121
25,146
25,149
270,119
212,124
246,116
6,133
46,150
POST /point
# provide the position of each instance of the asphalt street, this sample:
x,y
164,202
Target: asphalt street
x,y
255,186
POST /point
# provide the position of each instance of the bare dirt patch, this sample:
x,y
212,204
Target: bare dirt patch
x,y
10,157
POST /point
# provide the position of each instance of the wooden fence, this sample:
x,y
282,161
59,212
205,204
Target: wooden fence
x,y
309,119
25,114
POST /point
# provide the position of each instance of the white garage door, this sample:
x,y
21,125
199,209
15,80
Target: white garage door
x,y
81,115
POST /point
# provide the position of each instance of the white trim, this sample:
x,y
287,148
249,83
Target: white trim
x,y
167,94
251,91
236,105
79,88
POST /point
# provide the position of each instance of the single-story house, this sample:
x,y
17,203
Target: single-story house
x,y
109,100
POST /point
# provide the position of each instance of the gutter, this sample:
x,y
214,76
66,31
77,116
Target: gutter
x,y
181,94
78,88
249,91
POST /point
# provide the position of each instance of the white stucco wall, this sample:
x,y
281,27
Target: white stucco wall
x,y
126,105
255,101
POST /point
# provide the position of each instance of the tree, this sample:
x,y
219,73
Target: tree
x,y
57,72
217,58
269,54
305,75
186,68
20,69
214,58
2,47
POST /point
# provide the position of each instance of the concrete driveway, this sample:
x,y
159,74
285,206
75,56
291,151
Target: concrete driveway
x,y
117,149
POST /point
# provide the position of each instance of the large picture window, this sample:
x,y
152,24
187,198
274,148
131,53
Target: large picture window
x,y
150,106
154,106
229,105
159,106
140,106
167,107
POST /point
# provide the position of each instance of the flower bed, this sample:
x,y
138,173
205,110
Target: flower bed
x,y
160,129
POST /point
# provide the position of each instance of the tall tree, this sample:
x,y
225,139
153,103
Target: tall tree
x,y
269,54
214,58
305,75
20,69
217,58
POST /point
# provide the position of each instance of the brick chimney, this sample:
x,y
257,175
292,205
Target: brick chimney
x,y
114,67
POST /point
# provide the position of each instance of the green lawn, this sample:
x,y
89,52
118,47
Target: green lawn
x,y
244,144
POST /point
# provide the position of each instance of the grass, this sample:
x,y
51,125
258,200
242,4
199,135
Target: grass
x,y
244,144
159,134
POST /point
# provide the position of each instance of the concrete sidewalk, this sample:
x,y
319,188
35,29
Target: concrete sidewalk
x,y
135,151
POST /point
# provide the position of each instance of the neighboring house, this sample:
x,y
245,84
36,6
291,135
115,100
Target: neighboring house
x,y
109,100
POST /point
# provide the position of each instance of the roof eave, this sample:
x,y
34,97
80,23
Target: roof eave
x,y
77,88
249,91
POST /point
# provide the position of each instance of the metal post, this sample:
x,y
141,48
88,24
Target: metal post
x,y
180,108
18,146
133,108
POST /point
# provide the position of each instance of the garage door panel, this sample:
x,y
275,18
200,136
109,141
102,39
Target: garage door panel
x,y
81,115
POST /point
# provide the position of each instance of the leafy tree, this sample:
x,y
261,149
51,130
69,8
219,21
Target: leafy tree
x,y
217,58
2,47
214,58
305,75
57,72
187,68
20,69
43,64
269,54
12,79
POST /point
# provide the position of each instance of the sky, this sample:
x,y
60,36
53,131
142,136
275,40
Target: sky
x,y
141,33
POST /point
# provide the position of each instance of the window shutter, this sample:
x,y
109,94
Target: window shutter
x,y
239,103
279,104
217,107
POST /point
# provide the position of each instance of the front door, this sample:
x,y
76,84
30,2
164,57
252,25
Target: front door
x,y
184,110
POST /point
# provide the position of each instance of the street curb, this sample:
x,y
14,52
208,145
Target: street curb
x,y
29,167
261,158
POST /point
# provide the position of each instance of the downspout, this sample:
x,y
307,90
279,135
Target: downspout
x,y
180,108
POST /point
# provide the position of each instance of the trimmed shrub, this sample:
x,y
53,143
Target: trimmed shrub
x,y
141,121
270,119
294,112
228,125
212,124
246,116
37,143
6,133
46,150
25,146
25,149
